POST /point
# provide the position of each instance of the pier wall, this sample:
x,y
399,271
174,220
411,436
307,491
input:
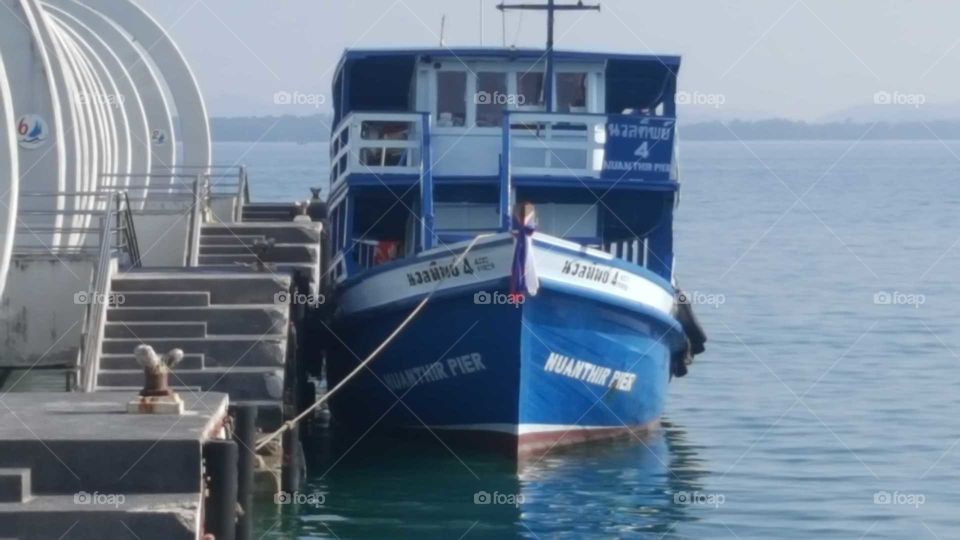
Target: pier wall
x,y
43,308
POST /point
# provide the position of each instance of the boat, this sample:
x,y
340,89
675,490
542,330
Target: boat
x,y
501,230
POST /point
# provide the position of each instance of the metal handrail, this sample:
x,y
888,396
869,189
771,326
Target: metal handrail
x,y
200,194
128,228
96,312
243,195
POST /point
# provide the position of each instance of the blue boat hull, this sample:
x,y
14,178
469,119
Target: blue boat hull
x,y
561,368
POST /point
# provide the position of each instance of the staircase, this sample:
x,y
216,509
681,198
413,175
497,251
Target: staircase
x,y
296,247
230,324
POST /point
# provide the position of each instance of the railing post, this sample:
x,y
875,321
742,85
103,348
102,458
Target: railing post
x,y
196,221
426,185
505,174
243,194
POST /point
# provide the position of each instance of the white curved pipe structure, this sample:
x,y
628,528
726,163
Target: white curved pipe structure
x,y
183,87
102,95
149,89
94,96
9,169
125,97
39,120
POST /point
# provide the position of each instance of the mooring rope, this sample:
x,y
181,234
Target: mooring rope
x,y
290,424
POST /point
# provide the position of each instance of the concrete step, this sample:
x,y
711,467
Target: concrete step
x,y
269,206
142,330
222,351
240,383
220,320
170,516
282,233
165,299
266,217
14,485
188,393
129,362
277,254
223,287
224,240
280,212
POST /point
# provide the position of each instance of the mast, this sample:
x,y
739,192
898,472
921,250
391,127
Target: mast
x,y
551,8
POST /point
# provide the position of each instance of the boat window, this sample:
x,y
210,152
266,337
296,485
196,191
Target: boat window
x,y
491,98
572,92
451,98
384,156
530,90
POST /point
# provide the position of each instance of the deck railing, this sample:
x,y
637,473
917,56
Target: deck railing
x,y
591,146
378,143
554,144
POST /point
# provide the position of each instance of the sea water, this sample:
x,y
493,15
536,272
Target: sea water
x,y
826,405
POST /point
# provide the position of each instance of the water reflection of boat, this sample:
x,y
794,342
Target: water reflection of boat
x,y
624,488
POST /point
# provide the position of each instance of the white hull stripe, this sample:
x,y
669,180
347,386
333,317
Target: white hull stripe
x,y
490,261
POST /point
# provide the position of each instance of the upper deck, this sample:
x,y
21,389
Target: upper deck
x,y
470,109
431,146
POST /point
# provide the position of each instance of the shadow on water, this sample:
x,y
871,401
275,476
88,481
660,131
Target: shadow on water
x,y
389,488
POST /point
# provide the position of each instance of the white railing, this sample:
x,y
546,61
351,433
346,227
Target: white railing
x,y
634,250
377,143
551,144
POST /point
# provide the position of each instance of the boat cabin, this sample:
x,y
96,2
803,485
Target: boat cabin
x,y
432,147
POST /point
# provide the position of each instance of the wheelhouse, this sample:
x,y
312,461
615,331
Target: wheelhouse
x,y
433,147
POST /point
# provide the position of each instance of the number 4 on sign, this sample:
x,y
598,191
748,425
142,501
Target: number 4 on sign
x,y
643,151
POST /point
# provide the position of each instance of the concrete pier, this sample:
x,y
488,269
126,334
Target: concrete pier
x,y
79,466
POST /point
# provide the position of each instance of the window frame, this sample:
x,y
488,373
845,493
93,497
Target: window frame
x,y
595,102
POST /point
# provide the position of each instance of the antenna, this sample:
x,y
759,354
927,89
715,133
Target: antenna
x,y
551,8
443,30
503,28
481,23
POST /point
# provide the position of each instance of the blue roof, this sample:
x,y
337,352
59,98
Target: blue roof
x,y
349,55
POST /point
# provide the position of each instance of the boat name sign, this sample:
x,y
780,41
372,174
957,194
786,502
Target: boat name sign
x,y
638,148
589,372
457,366
596,273
434,272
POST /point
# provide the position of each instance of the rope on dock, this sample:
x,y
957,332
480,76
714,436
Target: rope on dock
x,y
290,424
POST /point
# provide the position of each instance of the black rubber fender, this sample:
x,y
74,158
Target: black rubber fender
x,y
690,324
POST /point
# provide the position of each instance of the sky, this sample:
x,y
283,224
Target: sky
x,y
808,60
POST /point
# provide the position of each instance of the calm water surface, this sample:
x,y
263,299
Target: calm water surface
x,y
826,405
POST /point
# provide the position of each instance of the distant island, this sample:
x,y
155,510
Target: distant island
x,y
316,128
